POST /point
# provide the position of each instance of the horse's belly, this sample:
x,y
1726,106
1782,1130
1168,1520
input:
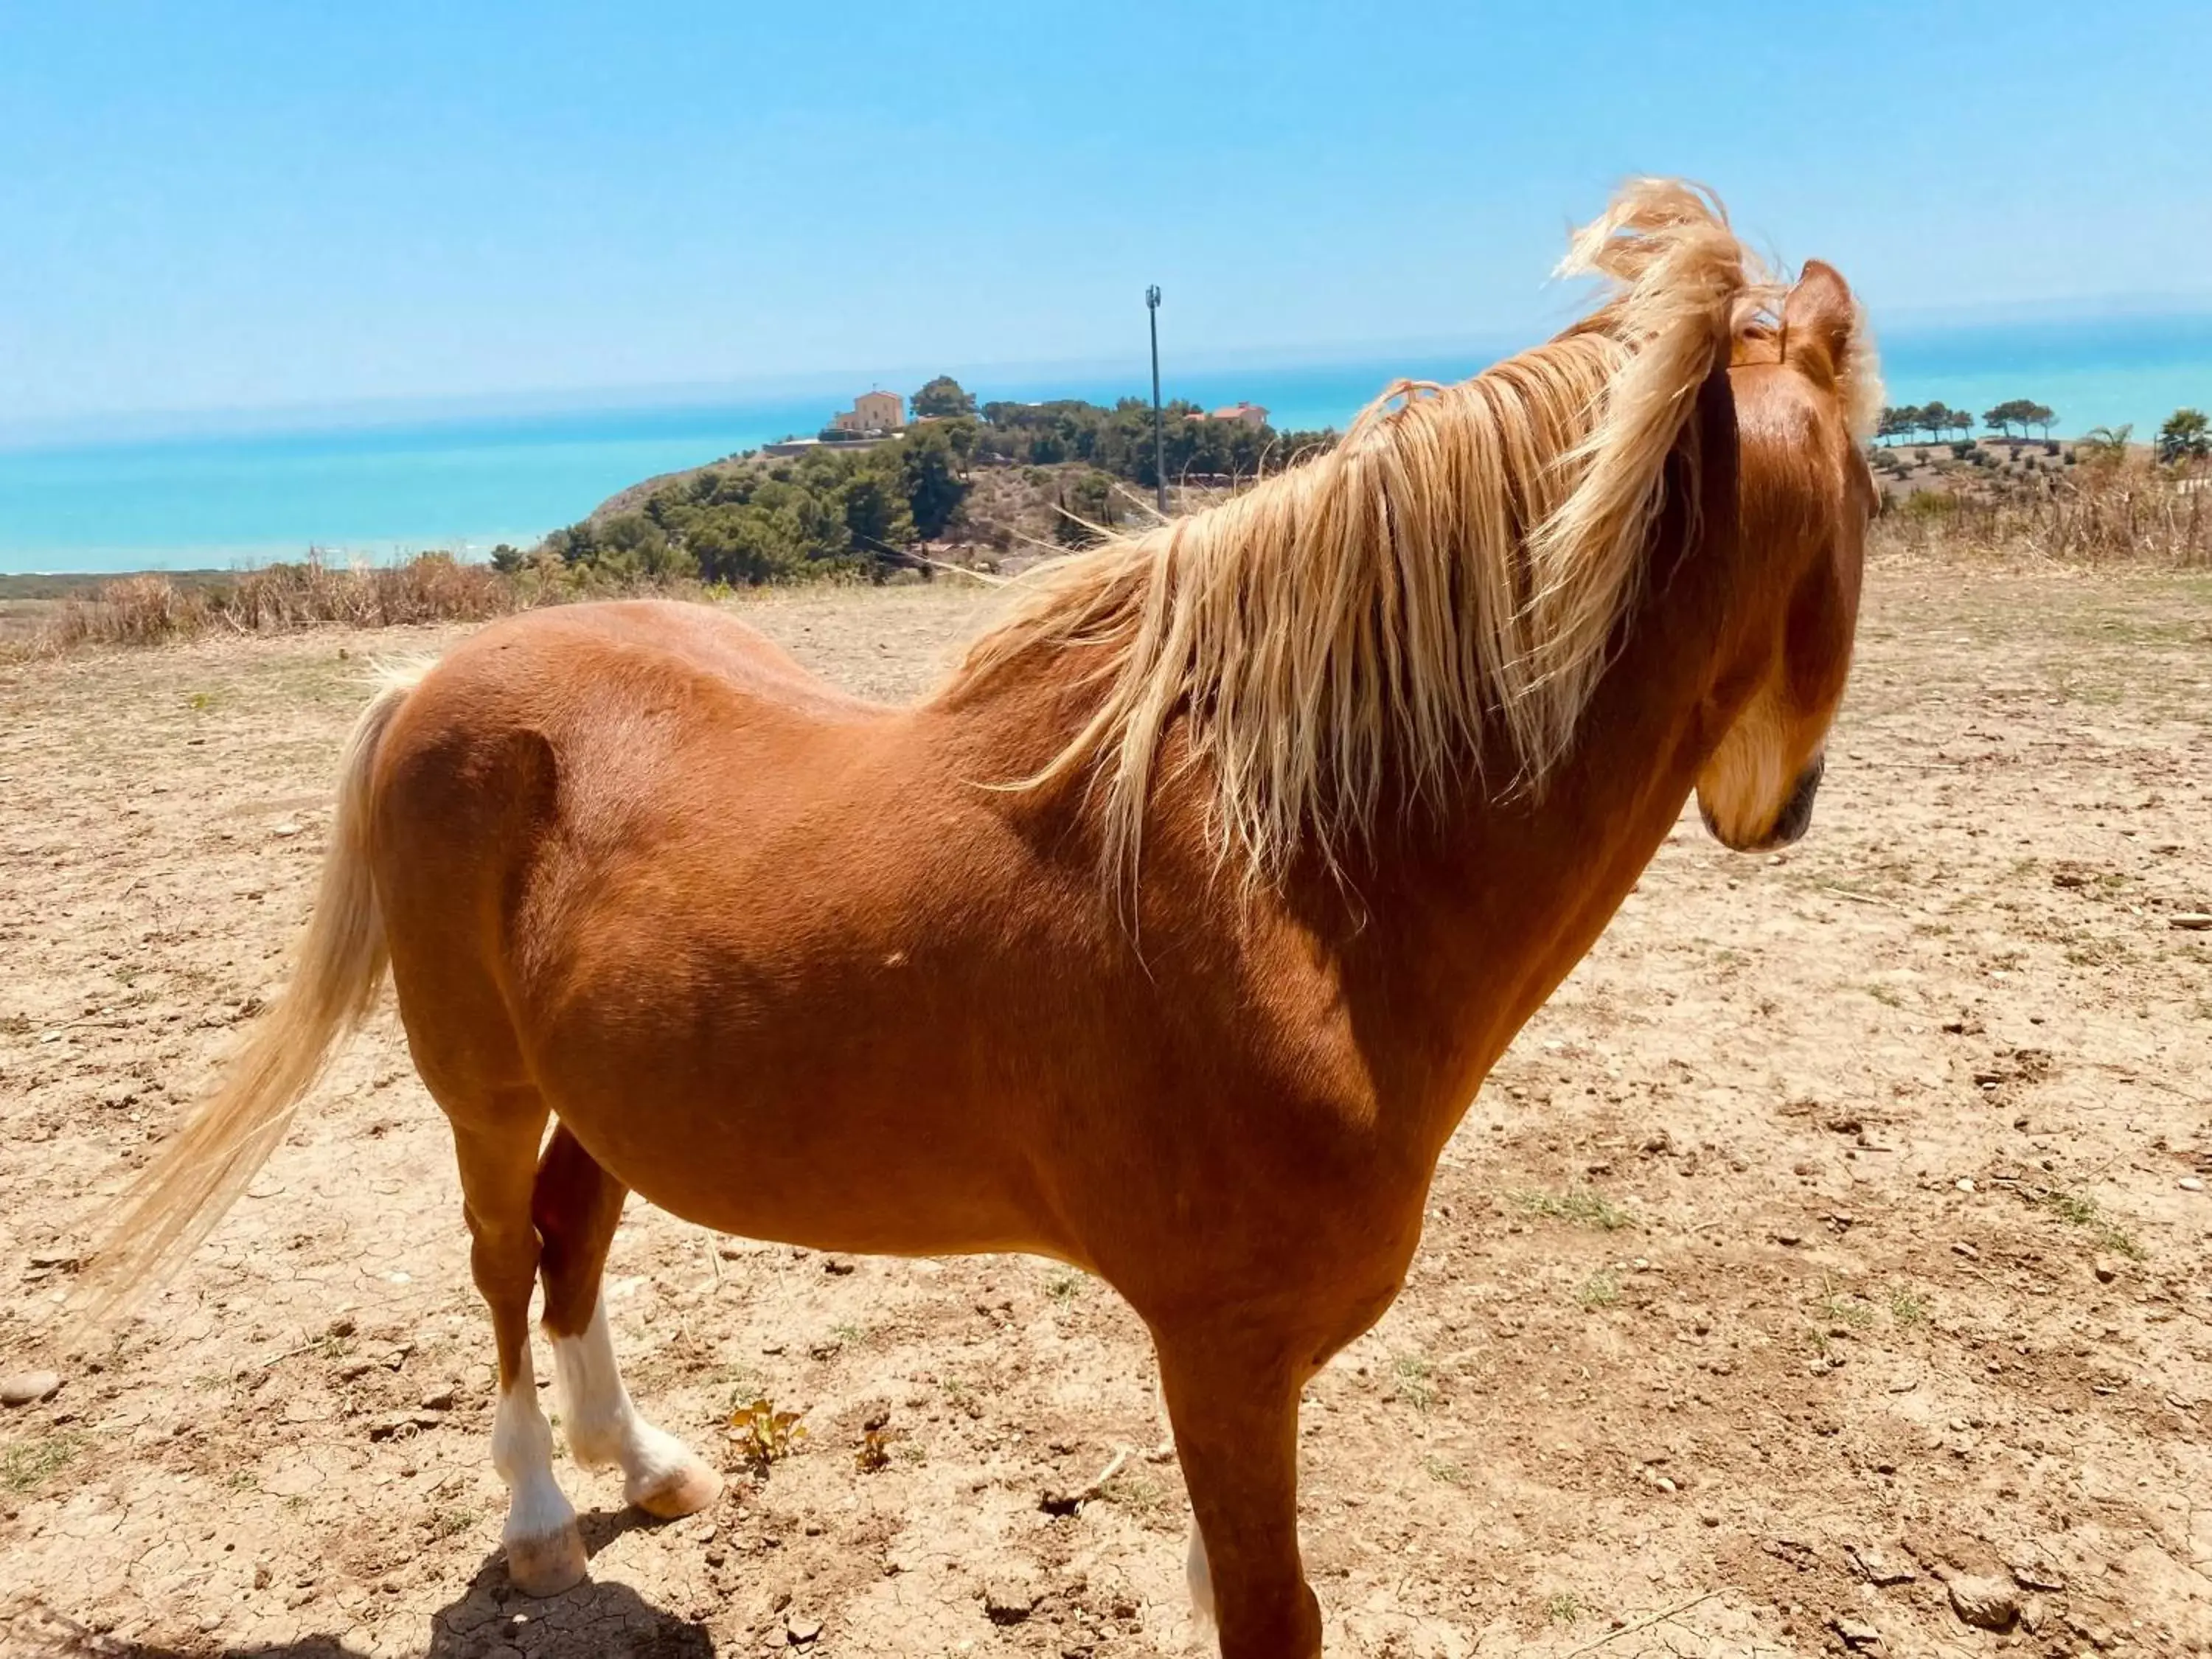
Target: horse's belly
x,y
839,1116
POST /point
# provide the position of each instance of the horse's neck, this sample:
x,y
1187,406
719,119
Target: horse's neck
x,y
1459,942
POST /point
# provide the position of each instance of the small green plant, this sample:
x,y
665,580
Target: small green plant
x,y
1415,1377
2080,1210
25,1466
1564,1608
1578,1204
1907,1307
1064,1286
744,1386
764,1435
1886,995
450,1523
243,1480
2099,953
1134,1492
1439,1469
1837,1307
1600,1290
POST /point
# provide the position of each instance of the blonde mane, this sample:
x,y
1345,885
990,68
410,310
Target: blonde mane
x,y
1461,558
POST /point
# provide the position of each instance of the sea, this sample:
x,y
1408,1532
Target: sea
x,y
252,490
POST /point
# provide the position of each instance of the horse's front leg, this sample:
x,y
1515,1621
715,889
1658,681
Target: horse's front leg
x,y
1234,1403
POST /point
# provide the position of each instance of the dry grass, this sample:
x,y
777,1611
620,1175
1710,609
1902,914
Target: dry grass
x,y
153,609
2096,513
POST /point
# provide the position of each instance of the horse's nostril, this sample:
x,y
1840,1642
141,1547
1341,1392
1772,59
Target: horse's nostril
x,y
1796,814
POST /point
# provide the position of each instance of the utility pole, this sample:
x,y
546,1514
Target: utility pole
x,y
1159,431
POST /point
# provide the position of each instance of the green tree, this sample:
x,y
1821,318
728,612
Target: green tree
x,y
2186,436
876,513
1933,419
934,488
1085,511
2104,445
631,545
2019,412
943,398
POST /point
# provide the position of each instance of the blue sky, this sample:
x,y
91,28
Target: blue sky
x,y
237,205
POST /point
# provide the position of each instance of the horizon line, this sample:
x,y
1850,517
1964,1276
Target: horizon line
x,y
98,428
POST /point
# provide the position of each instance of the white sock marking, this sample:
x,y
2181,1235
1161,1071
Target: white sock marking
x,y
522,1452
1200,1576
602,1426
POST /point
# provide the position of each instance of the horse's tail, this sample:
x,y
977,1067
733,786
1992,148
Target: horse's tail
x,y
163,1216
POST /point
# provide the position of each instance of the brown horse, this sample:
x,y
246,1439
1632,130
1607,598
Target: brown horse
x,y
1172,938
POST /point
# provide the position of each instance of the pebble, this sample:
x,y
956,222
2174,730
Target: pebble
x,y
1009,1600
29,1387
438,1400
2191,1184
1857,1634
1985,1603
1878,1568
799,1631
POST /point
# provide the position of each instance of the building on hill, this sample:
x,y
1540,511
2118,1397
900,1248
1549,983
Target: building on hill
x,y
1249,414
872,411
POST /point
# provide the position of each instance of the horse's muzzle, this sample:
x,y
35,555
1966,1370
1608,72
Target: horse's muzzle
x,y
1796,816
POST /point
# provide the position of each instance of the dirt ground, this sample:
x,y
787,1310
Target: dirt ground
x,y
1837,1236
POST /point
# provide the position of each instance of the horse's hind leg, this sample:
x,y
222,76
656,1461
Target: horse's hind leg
x,y
576,1203
544,1550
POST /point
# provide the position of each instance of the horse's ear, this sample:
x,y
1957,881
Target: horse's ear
x,y
1817,320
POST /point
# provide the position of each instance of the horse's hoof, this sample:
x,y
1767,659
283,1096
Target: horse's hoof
x,y
547,1565
684,1489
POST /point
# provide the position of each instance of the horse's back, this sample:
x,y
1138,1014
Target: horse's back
x,y
584,649
555,761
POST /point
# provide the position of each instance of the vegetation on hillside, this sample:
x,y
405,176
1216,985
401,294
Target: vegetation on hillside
x,y
2101,499
2186,436
864,511
1941,421
940,399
